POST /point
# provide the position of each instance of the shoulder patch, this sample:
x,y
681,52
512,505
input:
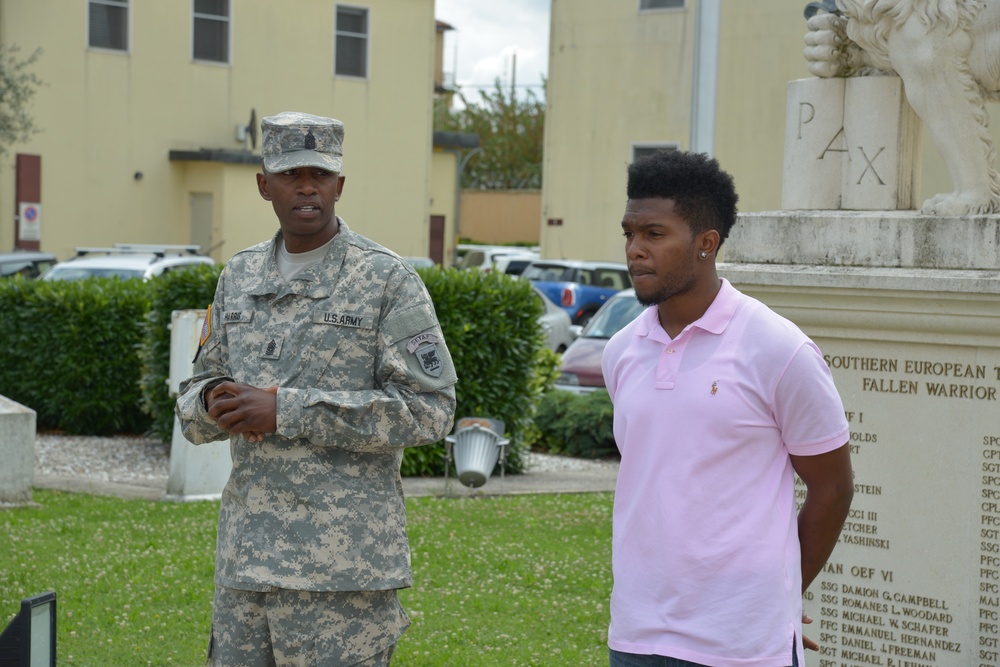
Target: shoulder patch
x,y
206,327
424,346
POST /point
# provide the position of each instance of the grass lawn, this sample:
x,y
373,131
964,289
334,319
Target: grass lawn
x,y
504,581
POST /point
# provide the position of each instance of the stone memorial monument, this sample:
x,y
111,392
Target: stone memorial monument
x,y
17,451
905,305
197,472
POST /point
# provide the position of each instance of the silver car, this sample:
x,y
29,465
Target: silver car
x,y
27,263
126,260
555,323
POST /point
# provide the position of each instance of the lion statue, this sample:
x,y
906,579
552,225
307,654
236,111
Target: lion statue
x,y
947,53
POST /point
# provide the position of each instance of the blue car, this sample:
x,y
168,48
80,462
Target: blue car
x,y
578,287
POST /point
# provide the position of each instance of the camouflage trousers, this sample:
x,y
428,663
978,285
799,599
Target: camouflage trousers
x,y
285,628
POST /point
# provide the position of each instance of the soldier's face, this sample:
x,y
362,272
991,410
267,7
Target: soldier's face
x,y
303,199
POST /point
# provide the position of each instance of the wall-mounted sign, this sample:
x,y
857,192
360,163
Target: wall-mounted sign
x,y
29,222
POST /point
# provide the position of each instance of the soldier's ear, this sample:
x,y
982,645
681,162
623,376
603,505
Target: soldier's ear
x,y
262,187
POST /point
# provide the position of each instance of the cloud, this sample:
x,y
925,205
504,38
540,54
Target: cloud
x,y
486,35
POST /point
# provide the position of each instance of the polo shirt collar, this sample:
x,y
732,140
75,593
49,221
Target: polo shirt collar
x,y
715,320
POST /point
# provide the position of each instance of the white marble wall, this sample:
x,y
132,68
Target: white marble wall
x,y
906,310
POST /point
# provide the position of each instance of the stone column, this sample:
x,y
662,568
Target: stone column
x,y
850,144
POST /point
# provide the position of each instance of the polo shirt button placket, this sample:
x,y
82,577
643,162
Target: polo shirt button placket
x,y
666,369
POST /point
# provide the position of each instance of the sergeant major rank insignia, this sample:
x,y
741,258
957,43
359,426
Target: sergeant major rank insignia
x,y
425,348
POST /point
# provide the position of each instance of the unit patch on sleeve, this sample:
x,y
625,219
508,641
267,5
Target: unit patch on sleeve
x,y
425,348
206,327
206,333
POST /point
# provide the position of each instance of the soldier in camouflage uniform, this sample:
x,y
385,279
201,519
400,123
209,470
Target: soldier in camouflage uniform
x,y
322,359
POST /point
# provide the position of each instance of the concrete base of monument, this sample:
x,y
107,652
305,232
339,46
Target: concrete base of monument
x,y
906,310
885,239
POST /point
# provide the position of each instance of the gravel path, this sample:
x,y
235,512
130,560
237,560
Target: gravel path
x,y
112,459
144,462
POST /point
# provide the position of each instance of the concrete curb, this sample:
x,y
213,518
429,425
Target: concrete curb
x,y
598,479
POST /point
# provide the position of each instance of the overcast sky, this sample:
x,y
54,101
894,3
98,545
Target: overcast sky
x,y
486,34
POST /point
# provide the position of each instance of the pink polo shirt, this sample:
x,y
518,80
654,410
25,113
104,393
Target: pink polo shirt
x,y
705,548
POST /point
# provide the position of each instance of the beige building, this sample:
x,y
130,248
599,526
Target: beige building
x,y
620,82
500,217
150,111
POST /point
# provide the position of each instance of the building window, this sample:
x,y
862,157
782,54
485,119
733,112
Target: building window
x,y
107,24
351,57
661,4
211,31
642,150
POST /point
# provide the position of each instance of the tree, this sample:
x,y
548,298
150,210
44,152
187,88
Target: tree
x,y
510,137
17,86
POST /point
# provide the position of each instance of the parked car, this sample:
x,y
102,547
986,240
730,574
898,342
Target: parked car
x,y
580,371
515,264
27,263
556,325
484,257
580,288
126,260
419,262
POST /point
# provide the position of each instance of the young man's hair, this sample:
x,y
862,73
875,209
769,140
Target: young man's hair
x,y
703,194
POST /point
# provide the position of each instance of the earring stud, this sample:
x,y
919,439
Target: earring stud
x,y
704,254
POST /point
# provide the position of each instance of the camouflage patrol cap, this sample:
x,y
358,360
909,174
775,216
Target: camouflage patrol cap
x,y
291,140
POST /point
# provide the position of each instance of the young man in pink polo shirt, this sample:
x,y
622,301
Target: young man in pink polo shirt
x,y
718,400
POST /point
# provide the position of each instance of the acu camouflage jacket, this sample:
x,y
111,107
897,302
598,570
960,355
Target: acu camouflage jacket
x,y
363,371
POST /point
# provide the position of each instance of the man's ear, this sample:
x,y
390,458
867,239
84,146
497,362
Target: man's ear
x,y
262,187
340,187
708,241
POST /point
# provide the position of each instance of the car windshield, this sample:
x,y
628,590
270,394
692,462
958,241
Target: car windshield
x,y
470,259
613,317
10,268
515,267
81,273
607,278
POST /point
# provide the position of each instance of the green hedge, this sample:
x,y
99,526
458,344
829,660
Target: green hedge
x,y
576,424
490,322
93,357
69,352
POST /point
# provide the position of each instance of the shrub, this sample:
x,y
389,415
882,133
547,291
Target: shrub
x,y
93,357
576,424
69,352
490,322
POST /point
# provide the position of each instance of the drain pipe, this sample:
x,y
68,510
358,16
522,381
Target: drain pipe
x,y
704,81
